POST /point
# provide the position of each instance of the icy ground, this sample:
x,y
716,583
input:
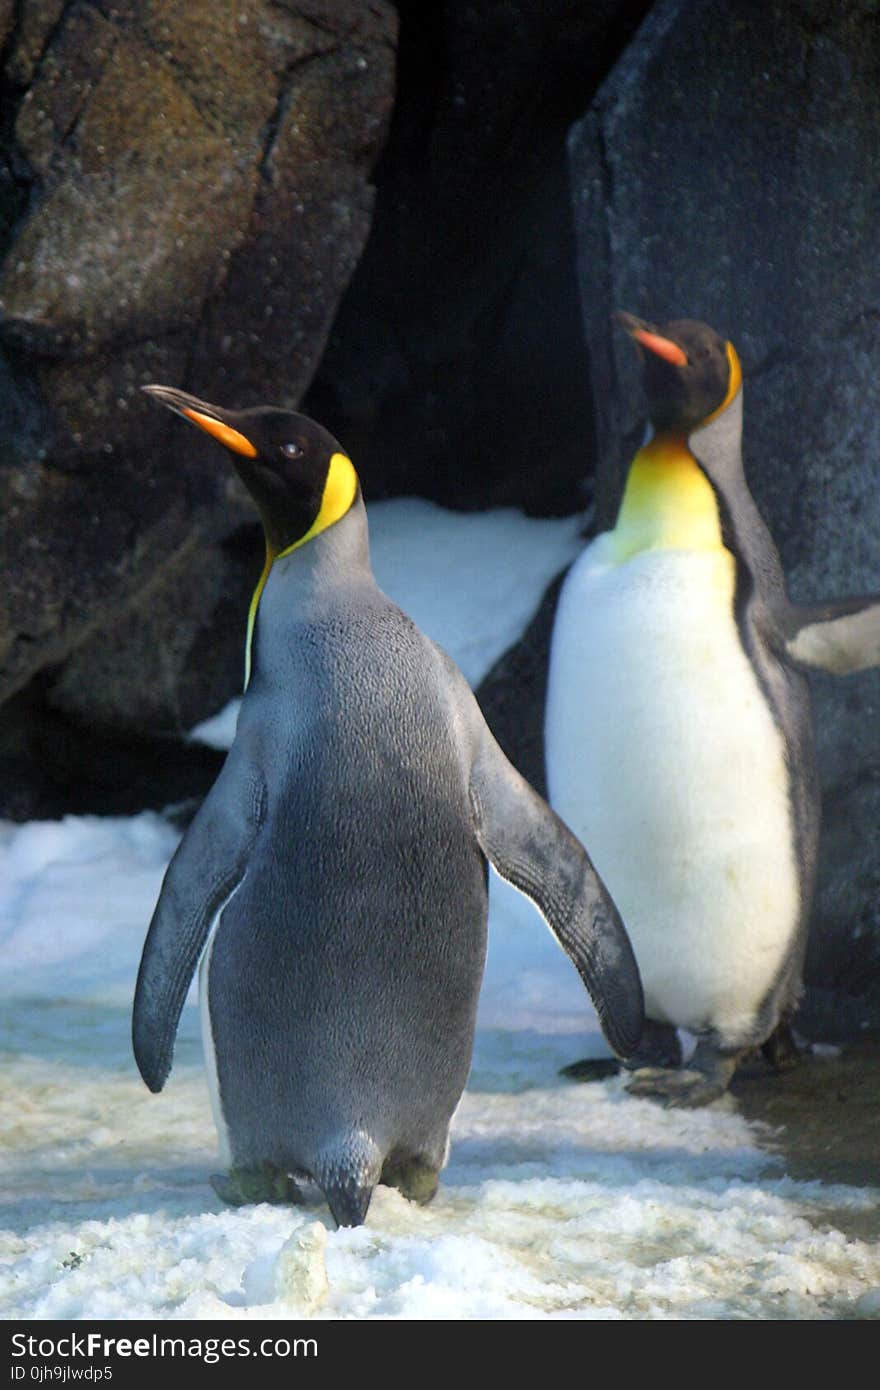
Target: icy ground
x,y
559,1201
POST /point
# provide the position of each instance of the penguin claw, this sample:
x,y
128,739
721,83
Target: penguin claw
x,y
677,1090
781,1050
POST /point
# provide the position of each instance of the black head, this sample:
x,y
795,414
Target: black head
x,y
297,473
690,371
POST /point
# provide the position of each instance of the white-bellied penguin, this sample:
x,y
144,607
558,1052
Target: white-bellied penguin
x,y
334,881
678,732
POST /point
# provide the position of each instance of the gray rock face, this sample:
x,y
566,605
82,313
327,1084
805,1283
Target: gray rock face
x,y
194,183
728,171
455,368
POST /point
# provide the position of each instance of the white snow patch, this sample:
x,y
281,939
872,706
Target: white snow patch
x,y
72,900
470,580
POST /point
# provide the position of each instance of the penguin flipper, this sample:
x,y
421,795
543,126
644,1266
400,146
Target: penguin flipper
x,y
841,637
530,847
208,866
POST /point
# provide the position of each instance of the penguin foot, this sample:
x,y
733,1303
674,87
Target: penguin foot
x,y
415,1178
243,1187
781,1051
682,1090
704,1080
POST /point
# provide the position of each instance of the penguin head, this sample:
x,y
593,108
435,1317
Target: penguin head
x,y
299,476
690,372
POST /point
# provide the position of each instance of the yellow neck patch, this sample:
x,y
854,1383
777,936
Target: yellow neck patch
x,y
733,385
252,613
668,504
340,490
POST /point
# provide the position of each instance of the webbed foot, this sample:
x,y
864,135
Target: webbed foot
x,y
705,1079
415,1177
242,1187
781,1051
683,1090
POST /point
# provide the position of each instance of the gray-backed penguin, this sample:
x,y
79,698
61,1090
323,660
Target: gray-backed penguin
x,y
678,730
334,881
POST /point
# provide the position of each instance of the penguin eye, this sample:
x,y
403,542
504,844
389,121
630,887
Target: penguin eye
x,y
292,450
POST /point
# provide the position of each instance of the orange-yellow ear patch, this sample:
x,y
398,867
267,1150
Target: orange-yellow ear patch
x,y
340,490
225,434
734,382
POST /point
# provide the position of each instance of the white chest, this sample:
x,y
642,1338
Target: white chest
x,y
663,756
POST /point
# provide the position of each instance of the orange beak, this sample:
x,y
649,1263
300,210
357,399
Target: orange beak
x,y
644,334
224,433
207,417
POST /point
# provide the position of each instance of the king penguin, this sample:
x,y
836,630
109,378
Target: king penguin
x,y
678,732
334,881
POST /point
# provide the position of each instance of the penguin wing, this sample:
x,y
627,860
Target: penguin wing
x,y
840,637
209,865
530,847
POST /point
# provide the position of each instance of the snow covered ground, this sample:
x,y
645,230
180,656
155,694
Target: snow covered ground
x,y
559,1201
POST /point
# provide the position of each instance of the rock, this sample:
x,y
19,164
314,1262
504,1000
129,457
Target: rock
x,y
708,181
7,20
52,766
456,368
145,193
186,629
512,695
26,27
720,174
192,190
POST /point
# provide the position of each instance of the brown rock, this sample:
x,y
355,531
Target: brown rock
x,y
36,21
200,193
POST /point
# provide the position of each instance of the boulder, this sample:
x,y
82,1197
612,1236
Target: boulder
x,y
456,369
190,188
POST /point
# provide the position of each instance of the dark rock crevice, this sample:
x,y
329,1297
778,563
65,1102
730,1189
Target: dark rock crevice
x,y
463,376
54,30
16,175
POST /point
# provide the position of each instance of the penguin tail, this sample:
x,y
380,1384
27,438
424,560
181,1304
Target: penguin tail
x,y
348,1201
348,1171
